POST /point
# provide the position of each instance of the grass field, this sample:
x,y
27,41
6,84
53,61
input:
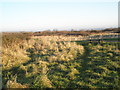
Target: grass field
x,y
46,62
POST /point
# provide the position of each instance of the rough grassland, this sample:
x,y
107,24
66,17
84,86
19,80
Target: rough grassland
x,y
49,63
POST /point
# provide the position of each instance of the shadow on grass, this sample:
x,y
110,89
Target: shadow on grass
x,y
83,77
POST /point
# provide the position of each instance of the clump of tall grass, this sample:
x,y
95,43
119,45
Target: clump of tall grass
x,y
14,47
13,84
48,49
33,57
61,38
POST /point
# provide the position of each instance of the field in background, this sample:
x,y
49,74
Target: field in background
x,y
71,60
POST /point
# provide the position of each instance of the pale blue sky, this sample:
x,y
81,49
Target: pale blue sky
x,y
34,16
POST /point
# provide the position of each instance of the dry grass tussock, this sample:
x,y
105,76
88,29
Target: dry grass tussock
x,y
42,51
16,55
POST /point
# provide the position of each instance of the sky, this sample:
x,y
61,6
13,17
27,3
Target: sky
x,y
38,15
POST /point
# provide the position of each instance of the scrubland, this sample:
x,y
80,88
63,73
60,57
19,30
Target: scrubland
x,y
58,62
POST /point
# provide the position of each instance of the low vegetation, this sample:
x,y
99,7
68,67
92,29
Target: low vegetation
x,y
76,32
58,62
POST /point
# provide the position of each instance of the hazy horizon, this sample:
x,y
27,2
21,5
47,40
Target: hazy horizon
x,y
29,15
